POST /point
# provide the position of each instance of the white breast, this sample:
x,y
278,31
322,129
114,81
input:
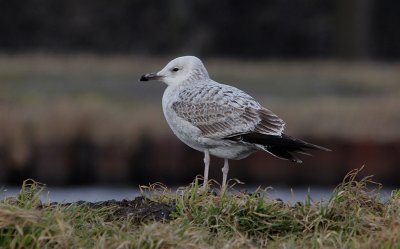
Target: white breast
x,y
185,131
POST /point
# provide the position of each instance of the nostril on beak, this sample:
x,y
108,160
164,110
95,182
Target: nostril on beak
x,y
149,76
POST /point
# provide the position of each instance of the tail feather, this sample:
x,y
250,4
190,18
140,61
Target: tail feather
x,y
283,153
280,146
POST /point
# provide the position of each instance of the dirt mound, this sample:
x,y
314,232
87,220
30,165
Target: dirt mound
x,y
139,209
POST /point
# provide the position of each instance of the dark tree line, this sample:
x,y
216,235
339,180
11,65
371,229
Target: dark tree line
x,y
274,28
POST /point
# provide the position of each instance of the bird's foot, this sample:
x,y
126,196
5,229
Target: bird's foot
x,y
203,188
223,190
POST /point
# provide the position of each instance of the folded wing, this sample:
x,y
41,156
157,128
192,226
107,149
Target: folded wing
x,y
221,111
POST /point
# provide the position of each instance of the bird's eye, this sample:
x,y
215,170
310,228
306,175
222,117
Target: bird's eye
x,y
175,69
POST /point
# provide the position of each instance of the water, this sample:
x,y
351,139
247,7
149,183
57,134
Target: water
x,y
102,193
72,194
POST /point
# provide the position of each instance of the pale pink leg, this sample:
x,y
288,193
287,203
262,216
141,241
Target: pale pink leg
x,y
206,168
225,170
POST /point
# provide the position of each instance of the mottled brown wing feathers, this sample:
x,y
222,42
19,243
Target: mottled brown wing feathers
x,y
219,121
270,123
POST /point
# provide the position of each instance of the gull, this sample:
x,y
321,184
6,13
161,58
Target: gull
x,y
220,120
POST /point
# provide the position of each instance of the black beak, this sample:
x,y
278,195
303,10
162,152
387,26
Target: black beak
x,y
149,76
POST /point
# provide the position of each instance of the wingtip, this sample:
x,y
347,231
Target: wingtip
x,y
319,147
325,149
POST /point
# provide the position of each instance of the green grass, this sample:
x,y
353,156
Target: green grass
x,y
355,216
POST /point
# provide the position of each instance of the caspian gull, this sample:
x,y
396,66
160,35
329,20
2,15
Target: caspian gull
x,y
220,120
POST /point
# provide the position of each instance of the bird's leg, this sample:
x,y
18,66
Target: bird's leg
x,y
225,170
206,167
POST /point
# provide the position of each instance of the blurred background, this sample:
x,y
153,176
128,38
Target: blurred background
x,y
72,111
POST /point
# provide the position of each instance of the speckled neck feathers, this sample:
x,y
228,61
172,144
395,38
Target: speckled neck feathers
x,y
199,72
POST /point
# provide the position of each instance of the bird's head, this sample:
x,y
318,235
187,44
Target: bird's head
x,y
179,70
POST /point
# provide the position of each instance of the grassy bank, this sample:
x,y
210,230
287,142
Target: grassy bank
x,y
354,216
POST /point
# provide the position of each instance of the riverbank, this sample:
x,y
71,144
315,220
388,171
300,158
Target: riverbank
x,y
354,216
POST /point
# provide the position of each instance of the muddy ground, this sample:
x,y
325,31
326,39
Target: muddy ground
x,y
139,209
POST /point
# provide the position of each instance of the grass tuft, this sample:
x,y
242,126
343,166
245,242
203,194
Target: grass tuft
x,y
355,216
